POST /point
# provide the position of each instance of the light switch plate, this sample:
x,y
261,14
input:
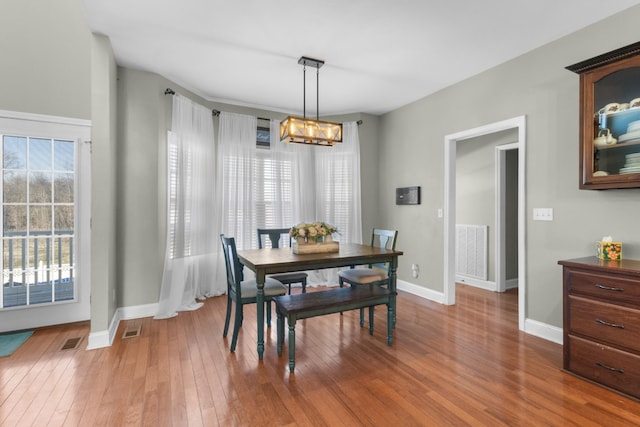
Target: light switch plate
x,y
543,214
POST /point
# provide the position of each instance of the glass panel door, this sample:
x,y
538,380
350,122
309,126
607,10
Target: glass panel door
x,y
38,228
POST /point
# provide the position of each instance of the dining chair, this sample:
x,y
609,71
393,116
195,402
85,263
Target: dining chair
x,y
274,236
243,291
375,274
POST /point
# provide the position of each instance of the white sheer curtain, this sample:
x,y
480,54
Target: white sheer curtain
x,y
190,255
337,198
299,159
237,177
337,193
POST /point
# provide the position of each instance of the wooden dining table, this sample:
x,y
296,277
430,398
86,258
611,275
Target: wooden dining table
x,y
282,260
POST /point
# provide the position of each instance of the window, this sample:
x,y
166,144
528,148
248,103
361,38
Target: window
x,y
285,184
274,198
270,189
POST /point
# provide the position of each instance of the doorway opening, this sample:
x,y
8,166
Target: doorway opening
x,y
517,123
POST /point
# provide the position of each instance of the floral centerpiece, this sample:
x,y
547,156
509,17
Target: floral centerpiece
x,y
313,237
313,232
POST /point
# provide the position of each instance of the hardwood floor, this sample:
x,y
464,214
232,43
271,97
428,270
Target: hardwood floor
x,y
449,366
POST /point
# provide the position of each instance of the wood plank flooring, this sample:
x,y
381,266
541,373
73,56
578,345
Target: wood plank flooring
x,y
449,366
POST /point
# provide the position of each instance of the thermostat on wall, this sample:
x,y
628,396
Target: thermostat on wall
x,y
408,196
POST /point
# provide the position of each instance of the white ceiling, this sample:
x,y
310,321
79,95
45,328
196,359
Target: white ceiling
x,y
379,54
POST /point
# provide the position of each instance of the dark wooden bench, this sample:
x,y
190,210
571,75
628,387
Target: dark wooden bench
x,y
302,306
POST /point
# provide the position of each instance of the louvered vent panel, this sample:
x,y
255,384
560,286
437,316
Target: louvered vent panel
x,y
471,250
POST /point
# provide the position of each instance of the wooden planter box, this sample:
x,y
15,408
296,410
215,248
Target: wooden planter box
x,y
299,246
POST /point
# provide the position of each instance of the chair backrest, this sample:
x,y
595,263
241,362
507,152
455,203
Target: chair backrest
x,y
383,239
274,236
233,265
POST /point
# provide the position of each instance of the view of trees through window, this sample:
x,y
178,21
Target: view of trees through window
x,y
38,186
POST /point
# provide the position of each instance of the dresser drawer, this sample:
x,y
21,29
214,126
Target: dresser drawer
x,y
604,286
605,322
608,366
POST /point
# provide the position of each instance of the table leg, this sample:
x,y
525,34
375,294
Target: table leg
x,y
393,266
260,315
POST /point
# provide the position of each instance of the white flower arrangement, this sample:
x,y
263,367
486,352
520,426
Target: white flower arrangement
x,y
312,231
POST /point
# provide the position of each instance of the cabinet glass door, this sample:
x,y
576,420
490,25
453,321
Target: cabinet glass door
x,y
616,124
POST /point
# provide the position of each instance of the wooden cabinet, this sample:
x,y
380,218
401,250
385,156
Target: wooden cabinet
x,y
602,322
610,119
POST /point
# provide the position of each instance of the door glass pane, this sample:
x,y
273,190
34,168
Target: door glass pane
x,y
15,220
63,219
14,186
63,156
40,289
14,152
39,154
40,187
39,218
38,221
63,188
13,251
63,268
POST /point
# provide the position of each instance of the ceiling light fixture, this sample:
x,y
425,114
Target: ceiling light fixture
x,y
309,131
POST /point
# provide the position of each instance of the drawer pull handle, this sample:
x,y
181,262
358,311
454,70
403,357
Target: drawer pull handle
x,y
609,288
618,370
613,325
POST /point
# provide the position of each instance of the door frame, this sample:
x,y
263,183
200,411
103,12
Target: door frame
x,y
78,130
501,220
450,142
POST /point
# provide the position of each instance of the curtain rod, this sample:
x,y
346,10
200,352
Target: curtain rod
x,y
169,91
216,113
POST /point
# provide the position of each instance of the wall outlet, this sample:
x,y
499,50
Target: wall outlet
x,y
415,269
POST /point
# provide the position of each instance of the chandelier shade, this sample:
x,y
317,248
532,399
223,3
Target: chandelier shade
x,y
308,131
303,130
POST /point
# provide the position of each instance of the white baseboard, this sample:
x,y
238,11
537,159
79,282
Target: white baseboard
x,y
478,283
98,340
420,291
511,283
101,339
543,330
105,338
138,311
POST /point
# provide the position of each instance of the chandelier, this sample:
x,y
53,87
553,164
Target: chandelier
x,y
309,131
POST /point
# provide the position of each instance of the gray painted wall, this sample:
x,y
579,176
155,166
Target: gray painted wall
x,y
535,85
140,201
103,184
46,58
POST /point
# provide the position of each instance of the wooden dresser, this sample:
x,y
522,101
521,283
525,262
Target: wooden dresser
x,y
602,322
